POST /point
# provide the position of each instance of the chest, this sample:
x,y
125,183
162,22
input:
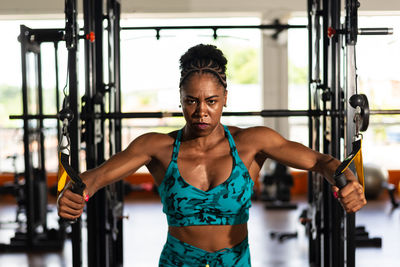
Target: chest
x,y
206,170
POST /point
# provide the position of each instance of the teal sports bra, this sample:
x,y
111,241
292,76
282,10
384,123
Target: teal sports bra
x,y
226,204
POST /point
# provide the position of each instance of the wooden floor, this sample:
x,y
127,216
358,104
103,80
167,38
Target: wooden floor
x,y
145,234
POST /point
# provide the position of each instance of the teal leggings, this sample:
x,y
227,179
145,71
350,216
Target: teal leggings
x,y
177,253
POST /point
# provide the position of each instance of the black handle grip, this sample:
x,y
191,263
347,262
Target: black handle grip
x,y
340,181
76,188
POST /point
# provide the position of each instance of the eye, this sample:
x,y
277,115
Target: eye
x,y
190,101
212,101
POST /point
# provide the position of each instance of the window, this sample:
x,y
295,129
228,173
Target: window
x,y
149,77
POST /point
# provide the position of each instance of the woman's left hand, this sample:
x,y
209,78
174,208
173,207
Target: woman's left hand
x,y
351,196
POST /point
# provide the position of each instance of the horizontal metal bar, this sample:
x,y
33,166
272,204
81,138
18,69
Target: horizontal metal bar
x,y
375,31
56,35
385,112
33,117
138,115
263,113
290,113
216,27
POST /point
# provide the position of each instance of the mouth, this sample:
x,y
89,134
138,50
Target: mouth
x,y
201,125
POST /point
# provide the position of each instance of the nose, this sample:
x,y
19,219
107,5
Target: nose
x,y
201,109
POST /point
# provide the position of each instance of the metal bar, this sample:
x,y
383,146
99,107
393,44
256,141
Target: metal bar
x,y
375,31
47,35
114,14
350,89
33,117
100,204
28,187
73,128
93,244
57,34
313,76
263,113
333,213
40,178
384,112
57,86
216,27
75,147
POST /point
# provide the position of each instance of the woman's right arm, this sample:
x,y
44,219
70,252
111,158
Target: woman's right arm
x,y
138,153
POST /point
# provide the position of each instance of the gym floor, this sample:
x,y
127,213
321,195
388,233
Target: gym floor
x,y
145,234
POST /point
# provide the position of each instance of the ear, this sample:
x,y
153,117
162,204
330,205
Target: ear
x,y
225,97
180,96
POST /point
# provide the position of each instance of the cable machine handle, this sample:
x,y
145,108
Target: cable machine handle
x,y
340,181
77,185
78,188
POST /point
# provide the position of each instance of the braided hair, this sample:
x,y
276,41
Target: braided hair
x,y
203,58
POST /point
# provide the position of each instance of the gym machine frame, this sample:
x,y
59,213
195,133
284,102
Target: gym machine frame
x,y
332,232
35,236
326,237
105,208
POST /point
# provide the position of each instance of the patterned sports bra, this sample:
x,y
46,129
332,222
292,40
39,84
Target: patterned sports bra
x,y
225,204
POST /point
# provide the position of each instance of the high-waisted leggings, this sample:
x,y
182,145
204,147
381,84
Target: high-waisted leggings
x,y
178,253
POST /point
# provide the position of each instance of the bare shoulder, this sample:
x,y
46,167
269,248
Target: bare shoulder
x,y
258,137
252,133
152,142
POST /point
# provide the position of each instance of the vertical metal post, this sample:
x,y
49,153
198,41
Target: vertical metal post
x,y
316,236
40,177
335,242
100,201
101,244
113,15
75,141
71,29
89,131
350,86
332,245
28,187
58,107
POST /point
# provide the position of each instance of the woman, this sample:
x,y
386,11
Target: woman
x,y
205,171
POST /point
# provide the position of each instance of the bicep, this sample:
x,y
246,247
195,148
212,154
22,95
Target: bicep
x,y
121,164
287,152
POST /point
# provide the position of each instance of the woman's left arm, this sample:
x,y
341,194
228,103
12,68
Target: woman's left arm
x,y
298,156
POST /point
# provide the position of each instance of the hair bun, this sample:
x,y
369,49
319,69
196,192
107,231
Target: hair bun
x,y
203,58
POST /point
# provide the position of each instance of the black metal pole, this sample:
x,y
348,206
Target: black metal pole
x,y
93,232
100,201
28,187
40,177
156,115
58,107
313,227
334,214
113,15
75,141
276,26
351,25
71,38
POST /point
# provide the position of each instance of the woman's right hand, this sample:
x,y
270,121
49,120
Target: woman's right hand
x,y
70,205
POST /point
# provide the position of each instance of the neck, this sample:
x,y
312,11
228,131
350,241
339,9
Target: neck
x,y
203,141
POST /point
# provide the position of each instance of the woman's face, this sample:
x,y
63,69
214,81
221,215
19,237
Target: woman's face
x,y
202,98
